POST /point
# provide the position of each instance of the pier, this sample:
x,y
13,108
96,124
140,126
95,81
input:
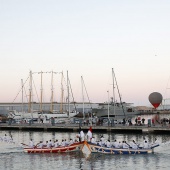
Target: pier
x,y
75,128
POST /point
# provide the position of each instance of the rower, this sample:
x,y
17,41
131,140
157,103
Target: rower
x,y
66,143
102,140
71,142
50,143
63,142
116,144
105,143
146,145
100,143
56,144
108,144
125,145
5,138
134,145
93,140
40,145
31,144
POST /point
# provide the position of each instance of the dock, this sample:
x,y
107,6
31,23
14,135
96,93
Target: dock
x,y
75,128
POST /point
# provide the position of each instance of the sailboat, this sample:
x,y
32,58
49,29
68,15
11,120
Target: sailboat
x,y
59,113
23,116
115,110
32,114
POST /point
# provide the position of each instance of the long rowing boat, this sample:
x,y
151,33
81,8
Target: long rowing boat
x,y
71,148
89,147
94,148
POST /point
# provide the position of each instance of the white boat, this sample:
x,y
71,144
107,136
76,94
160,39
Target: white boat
x,y
57,114
40,113
115,111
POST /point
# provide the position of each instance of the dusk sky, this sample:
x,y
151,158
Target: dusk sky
x,y
87,38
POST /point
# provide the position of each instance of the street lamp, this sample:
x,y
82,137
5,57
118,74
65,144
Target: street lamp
x,y
108,104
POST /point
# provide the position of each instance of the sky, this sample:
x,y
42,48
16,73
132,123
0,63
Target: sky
x,y
87,38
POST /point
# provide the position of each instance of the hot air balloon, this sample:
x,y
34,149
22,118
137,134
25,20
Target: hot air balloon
x,y
155,99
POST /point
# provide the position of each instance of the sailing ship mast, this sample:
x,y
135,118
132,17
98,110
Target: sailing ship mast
x,y
83,85
108,107
82,96
22,108
41,93
62,94
30,94
118,92
68,99
113,92
52,92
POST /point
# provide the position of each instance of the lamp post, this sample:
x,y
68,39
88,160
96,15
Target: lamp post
x,y
108,105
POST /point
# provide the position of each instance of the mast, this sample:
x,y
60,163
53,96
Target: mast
x,y
108,107
82,96
113,91
52,91
22,109
41,92
30,94
62,91
119,95
68,99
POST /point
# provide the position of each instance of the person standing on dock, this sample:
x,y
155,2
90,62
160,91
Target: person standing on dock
x,y
143,121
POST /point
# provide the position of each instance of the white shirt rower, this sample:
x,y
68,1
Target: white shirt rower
x,y
50,143
93,140
134,145
116,145
5,138
40,145
71,142
63,143
56,144
100,143
125,146
31,144
108,144
102,140
146,145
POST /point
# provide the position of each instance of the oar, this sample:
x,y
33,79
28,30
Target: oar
x,y
24,144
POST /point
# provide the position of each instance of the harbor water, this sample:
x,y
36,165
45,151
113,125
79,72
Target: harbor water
x,y
12,156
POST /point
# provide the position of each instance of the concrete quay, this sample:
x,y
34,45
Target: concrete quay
x,y
75,128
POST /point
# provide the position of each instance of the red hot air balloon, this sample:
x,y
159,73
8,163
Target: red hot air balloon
x,y
155,99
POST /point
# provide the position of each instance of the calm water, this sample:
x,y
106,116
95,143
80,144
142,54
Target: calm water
x,y
13,158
